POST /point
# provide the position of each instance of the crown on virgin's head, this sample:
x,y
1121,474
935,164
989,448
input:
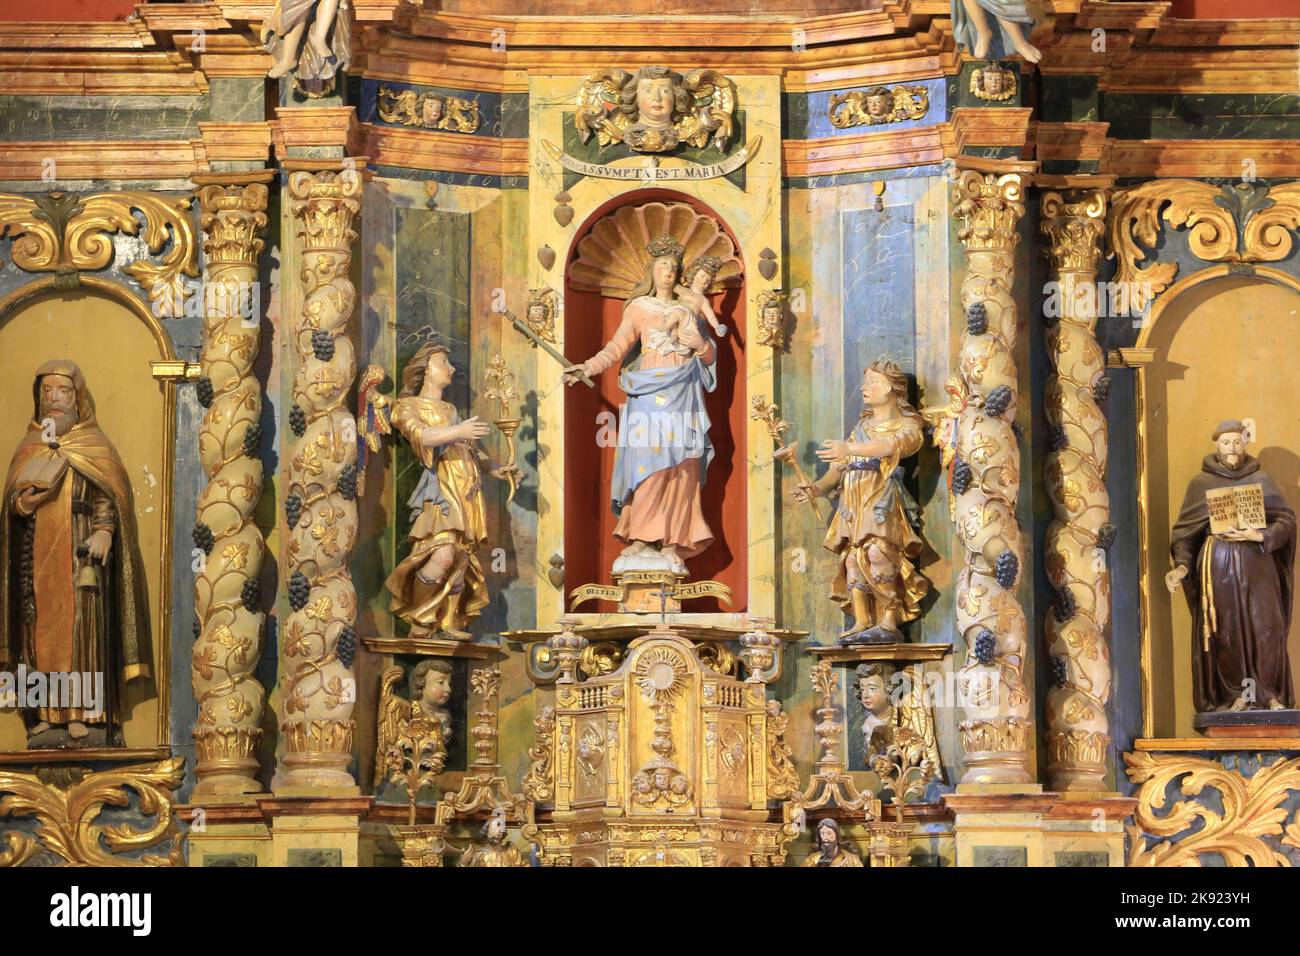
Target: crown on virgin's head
x,y
665,246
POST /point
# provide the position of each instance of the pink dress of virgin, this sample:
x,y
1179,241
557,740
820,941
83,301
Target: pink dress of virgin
x,y
665,507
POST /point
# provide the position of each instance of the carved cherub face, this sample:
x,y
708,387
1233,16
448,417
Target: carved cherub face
x,y
1231,447
536,314
874,695
992,82
772,315
439,370
437,688
665,273
679,784
654,101
662,778
877,104
59,401
876,389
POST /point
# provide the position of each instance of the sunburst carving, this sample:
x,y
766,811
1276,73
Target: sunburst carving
x,y
612,258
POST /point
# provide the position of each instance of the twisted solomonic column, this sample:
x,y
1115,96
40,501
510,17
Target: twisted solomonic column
x,y
227,600
1080,532
317,640
986,484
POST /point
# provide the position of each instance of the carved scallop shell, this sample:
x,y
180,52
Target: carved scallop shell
x,y
612,258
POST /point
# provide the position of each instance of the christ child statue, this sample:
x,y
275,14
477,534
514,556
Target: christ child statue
x,y
700,276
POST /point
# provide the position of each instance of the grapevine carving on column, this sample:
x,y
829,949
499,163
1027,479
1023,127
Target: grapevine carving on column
x,y
983,452
1080,532
227,600
318,642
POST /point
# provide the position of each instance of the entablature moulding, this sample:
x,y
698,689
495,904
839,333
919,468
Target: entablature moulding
x,y
178,47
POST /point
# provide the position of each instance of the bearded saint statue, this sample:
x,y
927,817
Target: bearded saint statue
x,y
73,590
1238,584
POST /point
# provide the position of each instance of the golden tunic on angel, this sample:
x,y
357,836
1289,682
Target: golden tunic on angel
x,y
876,513
447,517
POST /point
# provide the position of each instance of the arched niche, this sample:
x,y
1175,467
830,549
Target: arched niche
x,y
1223,347
113,336
591,317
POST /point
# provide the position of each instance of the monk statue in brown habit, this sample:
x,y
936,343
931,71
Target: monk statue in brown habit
x,y
1238,579
73,585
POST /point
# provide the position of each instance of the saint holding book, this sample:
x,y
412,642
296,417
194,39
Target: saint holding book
x,y
1234,546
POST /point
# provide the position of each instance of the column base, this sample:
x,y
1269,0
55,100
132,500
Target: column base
x,y
999,824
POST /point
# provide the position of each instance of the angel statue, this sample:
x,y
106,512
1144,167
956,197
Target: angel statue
x,y
971,28
412,735
317,52
439,586
874,529
898,717
656,108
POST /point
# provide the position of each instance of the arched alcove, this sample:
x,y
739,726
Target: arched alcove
x,y
590,319
1223,345
113,337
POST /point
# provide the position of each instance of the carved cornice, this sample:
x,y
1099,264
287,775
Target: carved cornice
x,y
981,126
118,160
236,142
450,152
1075,142
316,126
1239,223
1163,159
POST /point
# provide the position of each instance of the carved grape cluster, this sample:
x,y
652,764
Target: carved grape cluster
x,y
1066,605
292,509
348,482
299,590
977,318
203,391
1106,535
203,537
962,476
252,440
297,421
1006,569
1057,438
250,595
322,345
998,401
986,646
346,648
1060,671
1101,391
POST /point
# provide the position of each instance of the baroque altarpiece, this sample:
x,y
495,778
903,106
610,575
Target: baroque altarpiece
x,y
529,434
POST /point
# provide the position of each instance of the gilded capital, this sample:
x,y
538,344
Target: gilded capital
x,y
990,206
230,218
1073,223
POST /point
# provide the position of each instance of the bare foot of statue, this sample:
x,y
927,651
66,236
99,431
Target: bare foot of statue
x,y
40,728
1238,706
1276,704
1027,50
77,730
